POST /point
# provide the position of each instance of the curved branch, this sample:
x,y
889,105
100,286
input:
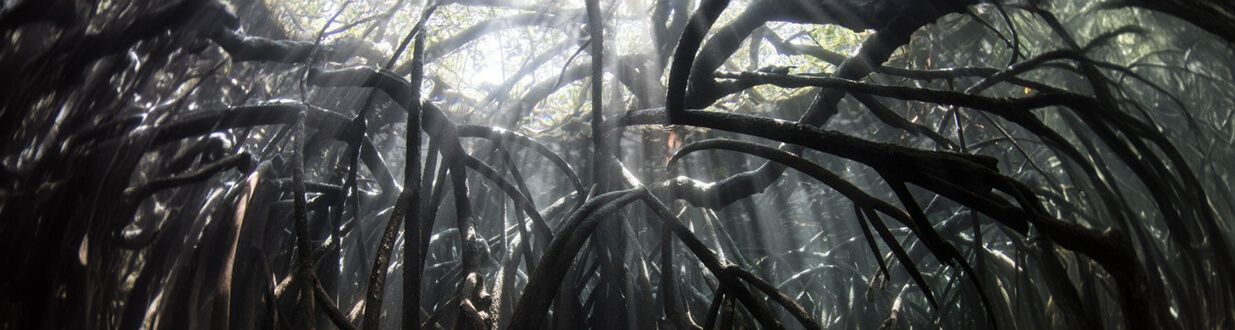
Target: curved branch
x,y
245,48
331,308
1214,16
625,71
918,225
874,51
474,32
542,283
541,288
524,202
684,55
963,185
133,196
503,137
973,171
335,124
849,190
1003,106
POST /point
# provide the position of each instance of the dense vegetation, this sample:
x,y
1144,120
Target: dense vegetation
x,y
617,164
